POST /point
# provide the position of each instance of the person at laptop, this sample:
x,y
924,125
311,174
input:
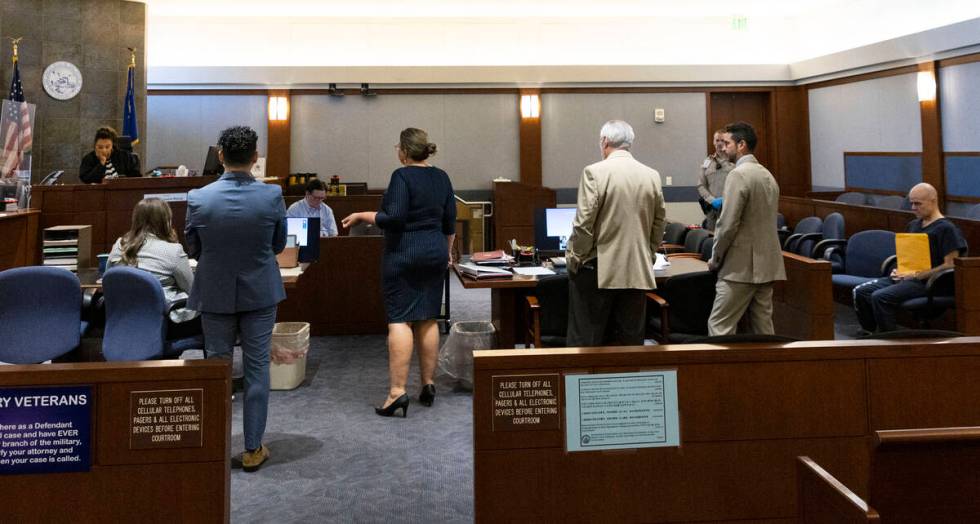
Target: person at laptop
x,y
106,161
312,206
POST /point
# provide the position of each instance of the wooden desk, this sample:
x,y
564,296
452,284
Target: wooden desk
x,y
179,482
20,238
507,296
108,207
746,412
340,294
91,279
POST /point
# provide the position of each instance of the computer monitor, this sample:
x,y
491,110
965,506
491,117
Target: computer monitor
x,y
307,233
553,228
212,166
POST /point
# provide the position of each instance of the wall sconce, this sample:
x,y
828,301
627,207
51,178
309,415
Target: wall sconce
x,y
926,83
278,108
530,106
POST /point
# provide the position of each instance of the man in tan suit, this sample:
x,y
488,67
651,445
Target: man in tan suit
x,y
618,226
747,255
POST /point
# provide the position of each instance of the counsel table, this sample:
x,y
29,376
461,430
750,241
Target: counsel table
x,y
507,295
91,279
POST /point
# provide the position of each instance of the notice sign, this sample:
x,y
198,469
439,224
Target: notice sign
x,y
621,410
166,419
45,430
525,402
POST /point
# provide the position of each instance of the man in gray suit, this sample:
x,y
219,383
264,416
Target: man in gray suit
x,y
235,227
618,225
747,255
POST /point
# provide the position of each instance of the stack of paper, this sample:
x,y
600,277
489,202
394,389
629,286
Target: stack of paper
x,y
494,258
661,263
475,271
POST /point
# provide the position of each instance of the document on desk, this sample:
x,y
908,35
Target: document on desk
x,y
476,271
621,411
533,271
661,263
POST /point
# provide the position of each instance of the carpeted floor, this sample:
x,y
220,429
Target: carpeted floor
x,y
334,460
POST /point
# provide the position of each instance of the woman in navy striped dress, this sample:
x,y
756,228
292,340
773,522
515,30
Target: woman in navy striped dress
x,y
418,217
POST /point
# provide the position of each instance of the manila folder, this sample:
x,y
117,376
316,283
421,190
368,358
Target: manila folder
x,y
913,252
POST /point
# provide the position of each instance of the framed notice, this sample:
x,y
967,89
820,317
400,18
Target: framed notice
x,y
45,429
621,411
171,418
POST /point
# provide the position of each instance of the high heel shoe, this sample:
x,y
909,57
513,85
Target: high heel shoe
x,y
428,395
399,403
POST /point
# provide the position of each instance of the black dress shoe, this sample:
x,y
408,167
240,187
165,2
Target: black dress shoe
x,y
399,403
428,395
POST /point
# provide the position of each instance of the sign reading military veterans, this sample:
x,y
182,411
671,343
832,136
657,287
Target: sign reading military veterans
x,y
621,410
525,402
166,419
45,429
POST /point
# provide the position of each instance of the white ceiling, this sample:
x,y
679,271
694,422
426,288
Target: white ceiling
x,y
207,33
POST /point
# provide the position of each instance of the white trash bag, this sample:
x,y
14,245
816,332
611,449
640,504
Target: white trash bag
x,y
456,355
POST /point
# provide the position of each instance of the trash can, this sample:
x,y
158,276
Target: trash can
x,y
456,355
290,343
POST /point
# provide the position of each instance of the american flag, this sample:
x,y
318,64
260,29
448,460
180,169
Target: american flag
x,y
18,138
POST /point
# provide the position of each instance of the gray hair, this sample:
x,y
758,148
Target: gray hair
x,y
618,134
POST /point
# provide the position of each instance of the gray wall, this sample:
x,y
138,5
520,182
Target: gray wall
x,y
93,35
354,136
571,124
960,85
874,115
184,126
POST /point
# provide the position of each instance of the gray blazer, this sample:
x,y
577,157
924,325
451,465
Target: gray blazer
x,y
235,227
746,243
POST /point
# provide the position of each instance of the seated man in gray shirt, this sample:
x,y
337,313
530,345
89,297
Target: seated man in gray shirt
x,y
312,206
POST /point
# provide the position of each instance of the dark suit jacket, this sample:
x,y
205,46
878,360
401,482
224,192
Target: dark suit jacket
x,y
235,227
92,172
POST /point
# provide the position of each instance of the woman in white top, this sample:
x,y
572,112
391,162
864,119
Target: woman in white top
x,y
151,245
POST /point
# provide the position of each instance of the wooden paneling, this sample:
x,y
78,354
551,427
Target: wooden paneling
x,y
340,294
752,107
803,304
20,236
791,140
746,413
530,144
124,485
864,77
933,164
513,207
824,500
278,148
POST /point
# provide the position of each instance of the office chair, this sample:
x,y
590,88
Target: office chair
x,y
40,314
803,227
811,245
547,313
692,243
674,234
678,310
852,197
940,296
888,201
363,229
865,256
745,338
911,333
707,248
136,318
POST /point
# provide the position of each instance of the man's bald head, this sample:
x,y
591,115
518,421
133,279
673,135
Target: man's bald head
x,y
925,201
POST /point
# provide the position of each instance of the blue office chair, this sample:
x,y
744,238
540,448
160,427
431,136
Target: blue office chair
x,y
866,256
803,227
40,314
853,198
812,244
136,318
889,201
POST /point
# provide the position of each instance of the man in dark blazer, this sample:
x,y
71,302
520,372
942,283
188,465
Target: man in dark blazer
x,y
235,228
747,255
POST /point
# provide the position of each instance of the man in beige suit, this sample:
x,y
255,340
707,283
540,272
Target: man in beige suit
x,y
747,255
618,226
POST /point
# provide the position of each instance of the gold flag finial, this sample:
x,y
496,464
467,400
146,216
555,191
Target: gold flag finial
x,y
15,41
132,56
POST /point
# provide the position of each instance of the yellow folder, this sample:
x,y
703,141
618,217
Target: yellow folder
x,y
913,252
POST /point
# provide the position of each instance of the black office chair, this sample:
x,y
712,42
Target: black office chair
x,y
678,310
940,296
693,241
674,235
547,313
707,248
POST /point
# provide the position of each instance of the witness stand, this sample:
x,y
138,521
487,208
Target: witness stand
x,y
19,238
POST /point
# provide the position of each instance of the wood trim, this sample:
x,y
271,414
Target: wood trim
x,y
966,199
933,164
204,92
961,153
530,143
278,150
849,189
959,60
709,139
926,435
885,73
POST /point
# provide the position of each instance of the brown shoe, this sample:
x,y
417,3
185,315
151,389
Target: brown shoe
x,y
253,460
